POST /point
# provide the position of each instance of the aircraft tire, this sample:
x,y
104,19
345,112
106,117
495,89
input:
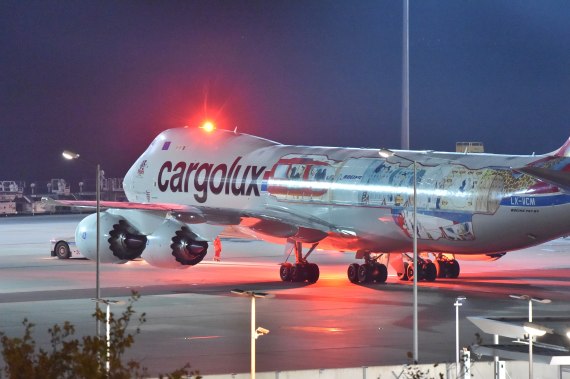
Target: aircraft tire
x,y
454,269
297,273
410,272
430,272
380,273
364,273
352,272
285,272
404,275
313,273
441,268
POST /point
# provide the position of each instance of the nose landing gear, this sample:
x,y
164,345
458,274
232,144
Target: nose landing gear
x,y
302,270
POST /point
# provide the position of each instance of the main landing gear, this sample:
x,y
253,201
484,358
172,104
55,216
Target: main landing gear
x,y
302,270
370,271
441,267
446,267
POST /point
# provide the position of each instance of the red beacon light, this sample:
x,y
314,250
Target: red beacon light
x,y
208,126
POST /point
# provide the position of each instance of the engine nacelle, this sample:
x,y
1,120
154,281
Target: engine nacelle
x,y
174,245
119,242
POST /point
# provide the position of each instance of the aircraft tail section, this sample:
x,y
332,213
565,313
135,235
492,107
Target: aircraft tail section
x,y
554,169
564,151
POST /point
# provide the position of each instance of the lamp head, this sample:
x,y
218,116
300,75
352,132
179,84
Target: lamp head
x,y
530,298
385,153
68,154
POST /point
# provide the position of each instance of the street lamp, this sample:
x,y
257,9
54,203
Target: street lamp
x,y
528,327
108,303
386,153
255,332
457,304
70,155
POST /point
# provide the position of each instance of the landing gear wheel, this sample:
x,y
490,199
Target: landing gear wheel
x,y
441,267
404,275
430,272
364,273
62,250
410,272
297,273
352,272
312,272
453,271
379,273
285,272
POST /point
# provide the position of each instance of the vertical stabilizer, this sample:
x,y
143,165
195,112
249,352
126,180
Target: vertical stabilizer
x,y
564,151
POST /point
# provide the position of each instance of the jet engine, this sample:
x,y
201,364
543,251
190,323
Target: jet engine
x,y
119,241
174,245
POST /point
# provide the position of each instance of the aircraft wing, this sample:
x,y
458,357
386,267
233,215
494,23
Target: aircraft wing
x,y
273,221
118,205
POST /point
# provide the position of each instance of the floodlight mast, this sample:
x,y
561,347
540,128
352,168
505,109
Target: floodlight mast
x,y
528,329
386,153
70,155
457,304
255,332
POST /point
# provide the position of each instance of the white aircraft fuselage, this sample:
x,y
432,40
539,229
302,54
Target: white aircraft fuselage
x,y
191,186
466,204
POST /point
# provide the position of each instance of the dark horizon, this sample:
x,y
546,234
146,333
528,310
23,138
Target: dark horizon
x,y
104,78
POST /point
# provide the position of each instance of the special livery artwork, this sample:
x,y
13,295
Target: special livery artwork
x,y
448,196
193,186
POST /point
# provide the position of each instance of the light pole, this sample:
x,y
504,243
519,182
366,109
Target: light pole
x,y
255,332
71,156
457,304
528,327
386,153
406,78
108,303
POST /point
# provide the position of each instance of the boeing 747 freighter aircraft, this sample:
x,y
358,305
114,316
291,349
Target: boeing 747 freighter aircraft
x,y
193,185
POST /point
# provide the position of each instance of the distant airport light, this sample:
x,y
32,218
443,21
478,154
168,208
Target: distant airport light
x,y
67,154
208,126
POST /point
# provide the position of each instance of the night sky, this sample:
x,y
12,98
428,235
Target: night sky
x,y
104,77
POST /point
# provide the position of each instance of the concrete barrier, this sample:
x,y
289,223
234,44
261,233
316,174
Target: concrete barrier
x,y
479,370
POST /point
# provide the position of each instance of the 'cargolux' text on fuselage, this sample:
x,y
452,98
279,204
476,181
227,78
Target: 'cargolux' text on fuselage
x,y
202,178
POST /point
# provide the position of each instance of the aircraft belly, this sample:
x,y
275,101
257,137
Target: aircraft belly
x,y
375,228
512,228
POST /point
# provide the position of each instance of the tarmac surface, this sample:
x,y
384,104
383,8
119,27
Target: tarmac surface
x,y
192,316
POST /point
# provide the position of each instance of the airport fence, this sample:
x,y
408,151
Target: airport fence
x,y
479,370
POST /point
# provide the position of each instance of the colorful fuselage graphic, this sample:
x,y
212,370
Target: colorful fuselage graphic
x,y
355,187
447,195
